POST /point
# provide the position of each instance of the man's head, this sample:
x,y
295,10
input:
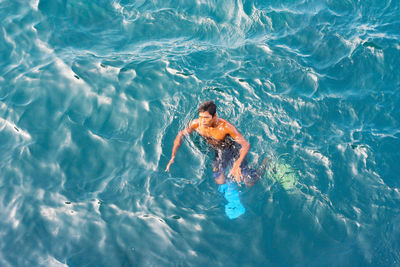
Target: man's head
x,y
207,113
208,106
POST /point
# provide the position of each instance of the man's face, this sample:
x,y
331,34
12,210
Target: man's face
x,y
205,119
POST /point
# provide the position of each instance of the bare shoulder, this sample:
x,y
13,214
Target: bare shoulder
x,y
194,124
230,129
225,124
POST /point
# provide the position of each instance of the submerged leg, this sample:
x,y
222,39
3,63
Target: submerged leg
x,y
234,208
264,166
252,176
251,179
220,179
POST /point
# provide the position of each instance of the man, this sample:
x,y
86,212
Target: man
x,y
229,145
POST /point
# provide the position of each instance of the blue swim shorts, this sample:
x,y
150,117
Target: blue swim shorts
x,y
224,159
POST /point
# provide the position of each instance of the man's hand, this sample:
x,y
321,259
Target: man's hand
x,y
236,173
169,164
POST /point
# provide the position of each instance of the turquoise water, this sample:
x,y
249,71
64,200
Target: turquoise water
x,y
93,93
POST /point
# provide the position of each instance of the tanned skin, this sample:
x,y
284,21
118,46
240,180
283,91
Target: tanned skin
x,y
214,130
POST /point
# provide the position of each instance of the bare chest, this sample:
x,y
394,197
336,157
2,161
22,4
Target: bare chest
x,y
213,135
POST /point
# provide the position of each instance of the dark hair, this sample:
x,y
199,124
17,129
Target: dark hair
x,y
208,106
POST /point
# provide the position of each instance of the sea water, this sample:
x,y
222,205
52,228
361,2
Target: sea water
x,y
93,93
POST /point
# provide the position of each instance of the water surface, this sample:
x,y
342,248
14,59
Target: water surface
x,y
93,93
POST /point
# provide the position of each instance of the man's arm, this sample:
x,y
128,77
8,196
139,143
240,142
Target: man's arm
x,y
236,171
179,139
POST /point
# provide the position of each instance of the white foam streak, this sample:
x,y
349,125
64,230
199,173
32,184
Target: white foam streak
x,y
241,15
34,4
110,70
10,41
155,223
65,71
313,76
362,153
15,222
323,159
97,137
179,73
7,125
51,262
63,68
103,100
265,48
380,134
64,216
352,43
